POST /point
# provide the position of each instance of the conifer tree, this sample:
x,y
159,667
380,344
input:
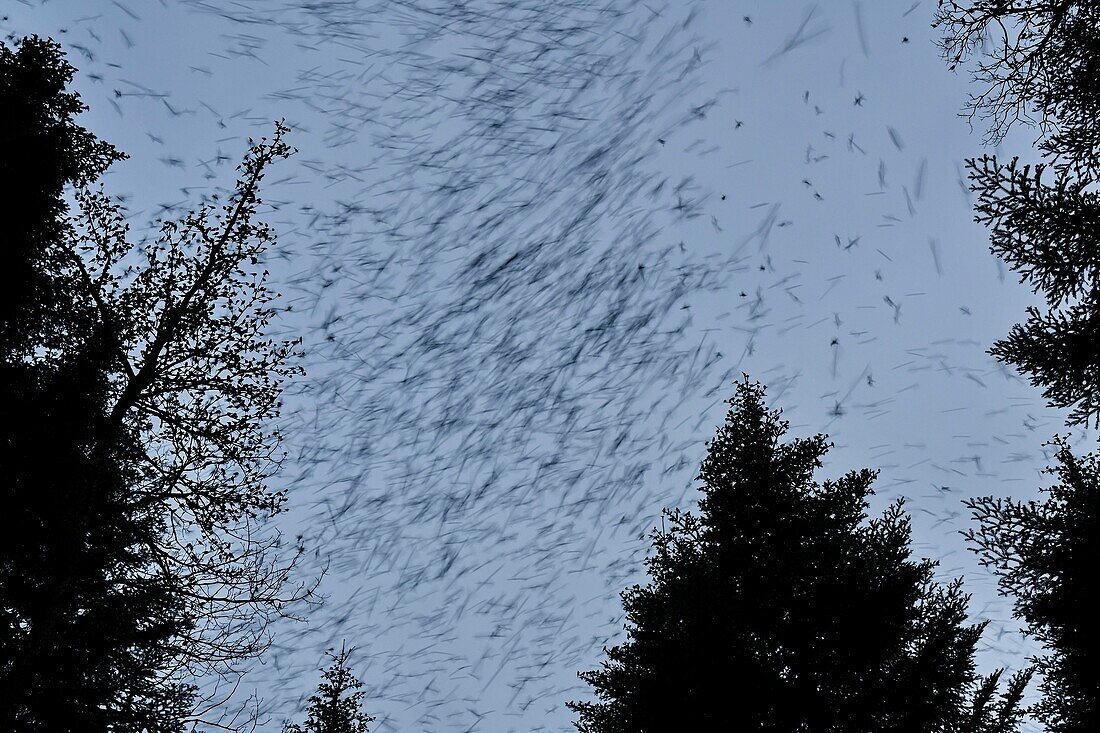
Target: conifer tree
x,y
1040,64
781,607
336,706
1042,67
137,434
43,151
86,639
1046,555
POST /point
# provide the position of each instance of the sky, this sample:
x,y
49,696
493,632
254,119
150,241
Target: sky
x,y
530,247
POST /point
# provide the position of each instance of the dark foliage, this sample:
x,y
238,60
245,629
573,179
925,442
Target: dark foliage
x,y
1041,65
1046,554
86,638
198,380
780,607
1045,57
1047,231
336,706
43,151
137,436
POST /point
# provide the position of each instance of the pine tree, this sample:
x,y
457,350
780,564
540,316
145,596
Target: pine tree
x,y
780,607
44,150
1041,64
137,434
1046,554
86,639
1043,68
336,706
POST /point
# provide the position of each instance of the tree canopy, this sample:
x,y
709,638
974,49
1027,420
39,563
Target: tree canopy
x,y
336,706
139,433
1041,65
781,607
1045,554
87,635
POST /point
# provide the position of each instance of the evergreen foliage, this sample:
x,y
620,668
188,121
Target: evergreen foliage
x,y
1046,555
86,637
781,607
137,435
1041,64
44,150
336,706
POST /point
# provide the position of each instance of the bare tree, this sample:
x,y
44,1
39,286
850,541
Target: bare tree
x,y
200,381
1015,64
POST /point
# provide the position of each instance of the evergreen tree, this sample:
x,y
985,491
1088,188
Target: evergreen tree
x,y
780,607
87,633
336,706
1046,554
136,435
44,150
1040,63
1043,67
85,636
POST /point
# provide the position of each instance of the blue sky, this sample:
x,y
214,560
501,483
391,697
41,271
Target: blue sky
x,y
500,401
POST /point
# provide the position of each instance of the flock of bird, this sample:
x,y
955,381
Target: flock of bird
x,y
530,247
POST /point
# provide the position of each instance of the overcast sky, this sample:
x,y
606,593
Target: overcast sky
x,y
530,245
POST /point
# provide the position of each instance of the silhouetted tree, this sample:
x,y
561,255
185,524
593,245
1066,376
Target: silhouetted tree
x,y
1046,231
1031,59
153,362
336,706
43,151
779,607
1046,554
88,635
200,381
86,638
1042,64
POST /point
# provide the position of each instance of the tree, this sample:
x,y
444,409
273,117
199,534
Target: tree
x,y
332,709
199,381
1043,67
1034,66
43,151
1046,232
79,649
1046,554
779,607
88,638
170,438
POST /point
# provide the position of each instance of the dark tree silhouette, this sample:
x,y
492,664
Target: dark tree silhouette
x,y
1021,52
43,151
87,635
1046,231
200,381
1043,65
86,641
1046,554
139,432
336,706
779,607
